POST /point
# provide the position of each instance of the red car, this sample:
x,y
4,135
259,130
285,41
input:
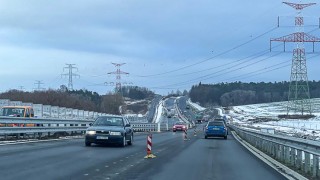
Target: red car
x,y
179,126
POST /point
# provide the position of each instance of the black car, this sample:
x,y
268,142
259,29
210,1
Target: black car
x,y
110,130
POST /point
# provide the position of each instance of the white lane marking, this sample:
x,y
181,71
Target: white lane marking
x,y
86,174
97,169
114,162
34,141
117,173
121,160
106,166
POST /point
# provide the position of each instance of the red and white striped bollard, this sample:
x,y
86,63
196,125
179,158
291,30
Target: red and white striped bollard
x,y
149,147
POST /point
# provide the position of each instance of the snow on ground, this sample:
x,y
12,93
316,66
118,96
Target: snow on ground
x,y
265,115
159,112
195,105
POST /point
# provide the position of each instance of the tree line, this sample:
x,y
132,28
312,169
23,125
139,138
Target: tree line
x,y
76,99
240,93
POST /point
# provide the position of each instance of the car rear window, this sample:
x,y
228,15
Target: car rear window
x,y
108,121
216,123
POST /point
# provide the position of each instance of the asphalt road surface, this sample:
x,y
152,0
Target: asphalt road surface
x,y
196,158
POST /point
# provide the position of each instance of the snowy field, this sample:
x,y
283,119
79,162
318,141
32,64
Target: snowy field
x,y
262,116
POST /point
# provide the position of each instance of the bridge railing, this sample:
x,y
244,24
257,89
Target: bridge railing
x,y
300,154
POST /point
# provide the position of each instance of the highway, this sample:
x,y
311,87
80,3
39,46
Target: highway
x,y
197,158
182,103
153,107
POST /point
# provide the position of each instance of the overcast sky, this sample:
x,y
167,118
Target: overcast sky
x,y
165,44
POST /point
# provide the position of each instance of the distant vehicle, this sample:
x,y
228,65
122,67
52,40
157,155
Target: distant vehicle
x,y
110,130
179,126
187,106
18,111
220,119
199,118
170,113
216,129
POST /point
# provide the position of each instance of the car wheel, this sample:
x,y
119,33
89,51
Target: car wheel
x,y
124,142
88,143
174,131
131,140
225,137
206,137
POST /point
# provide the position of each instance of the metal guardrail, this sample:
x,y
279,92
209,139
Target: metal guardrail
x,y
21,126
301,155
17,120
26,126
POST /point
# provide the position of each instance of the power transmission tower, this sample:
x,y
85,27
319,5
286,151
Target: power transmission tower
x,y
299,96
118,74
21,88
39,83
70,74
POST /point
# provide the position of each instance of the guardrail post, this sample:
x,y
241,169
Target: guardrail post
x,y
287,155
299,159
315,167
49,132
281,153
293,157
306,162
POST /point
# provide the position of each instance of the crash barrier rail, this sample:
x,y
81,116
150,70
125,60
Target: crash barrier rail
x,y
298,154
26,126
15,126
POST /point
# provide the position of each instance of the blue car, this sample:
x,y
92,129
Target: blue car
x,y
216,129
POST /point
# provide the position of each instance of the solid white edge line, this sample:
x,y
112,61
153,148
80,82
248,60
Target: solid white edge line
x,y
285,171
37,141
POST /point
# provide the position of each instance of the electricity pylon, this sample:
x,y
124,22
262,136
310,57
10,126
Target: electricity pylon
x,y
299,95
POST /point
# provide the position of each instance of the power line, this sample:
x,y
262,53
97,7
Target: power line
x,y
209,76
220,54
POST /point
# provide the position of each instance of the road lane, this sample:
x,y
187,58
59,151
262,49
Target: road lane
x,y
216,159
200,158
197,158
64,159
